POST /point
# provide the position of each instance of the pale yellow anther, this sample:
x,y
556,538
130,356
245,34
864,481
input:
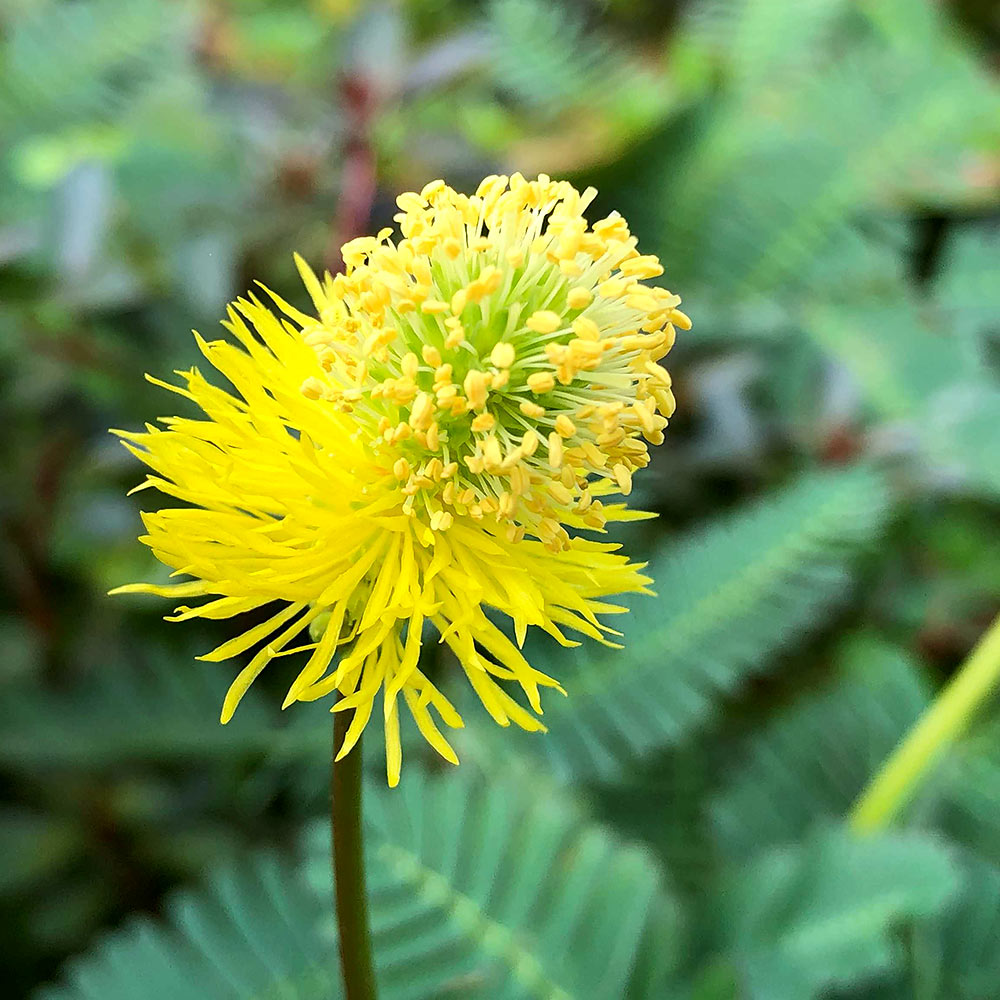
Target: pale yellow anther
x,y
641,301
529,442
409,201
484,422
442,375
431,355
530,409
586,329
312,388
539,245
579,298
410,365
421,270
648,266
441,520
492,455
680,319
434,306
458,301
452,247
520,480
433,436
401,469
589,350
560,493
612,288
449,470
430,189
594,455
422,412
514,257
515,533
544,321
503,354
644,417
454,338
611,225
475,389
564,426
506,505
434,468
487,283
540,382
555,450
623,478
499,380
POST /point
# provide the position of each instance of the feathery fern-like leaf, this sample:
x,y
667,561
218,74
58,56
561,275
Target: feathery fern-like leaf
x,y
69,63
477,890
803,918
778,168
811,762
730,596
952,955
151,709
543,55
257,933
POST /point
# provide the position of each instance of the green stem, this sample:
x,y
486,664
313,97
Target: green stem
x,y
940,725
349,868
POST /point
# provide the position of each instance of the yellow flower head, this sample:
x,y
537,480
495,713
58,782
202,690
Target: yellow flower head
x,y
428,446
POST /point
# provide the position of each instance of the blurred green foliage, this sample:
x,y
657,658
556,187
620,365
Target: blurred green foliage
x,y
821,179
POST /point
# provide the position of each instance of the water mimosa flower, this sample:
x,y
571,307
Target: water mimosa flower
x,y
423,452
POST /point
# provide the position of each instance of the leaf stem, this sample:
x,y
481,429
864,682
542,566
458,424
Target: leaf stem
x,y
351,898
940,725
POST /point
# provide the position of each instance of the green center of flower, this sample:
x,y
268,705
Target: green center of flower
x,y
502,355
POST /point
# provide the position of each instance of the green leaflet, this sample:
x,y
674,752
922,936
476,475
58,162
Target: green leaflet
x,y
953,955
257,933
820,112
542,54
730,596
810,763
802,918
478,888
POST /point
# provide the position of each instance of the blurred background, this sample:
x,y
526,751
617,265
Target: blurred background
x,y
821,179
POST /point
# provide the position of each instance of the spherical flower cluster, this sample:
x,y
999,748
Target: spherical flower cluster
x,y
428,447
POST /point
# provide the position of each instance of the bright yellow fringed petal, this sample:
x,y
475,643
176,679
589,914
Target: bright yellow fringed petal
x,y
434,442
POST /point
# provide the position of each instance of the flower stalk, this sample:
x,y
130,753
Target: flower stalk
x,y
347,842
937,729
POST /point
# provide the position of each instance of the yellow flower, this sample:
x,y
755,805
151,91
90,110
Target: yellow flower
x,y
426,448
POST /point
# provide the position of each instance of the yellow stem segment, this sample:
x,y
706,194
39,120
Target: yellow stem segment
x,y
940,725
